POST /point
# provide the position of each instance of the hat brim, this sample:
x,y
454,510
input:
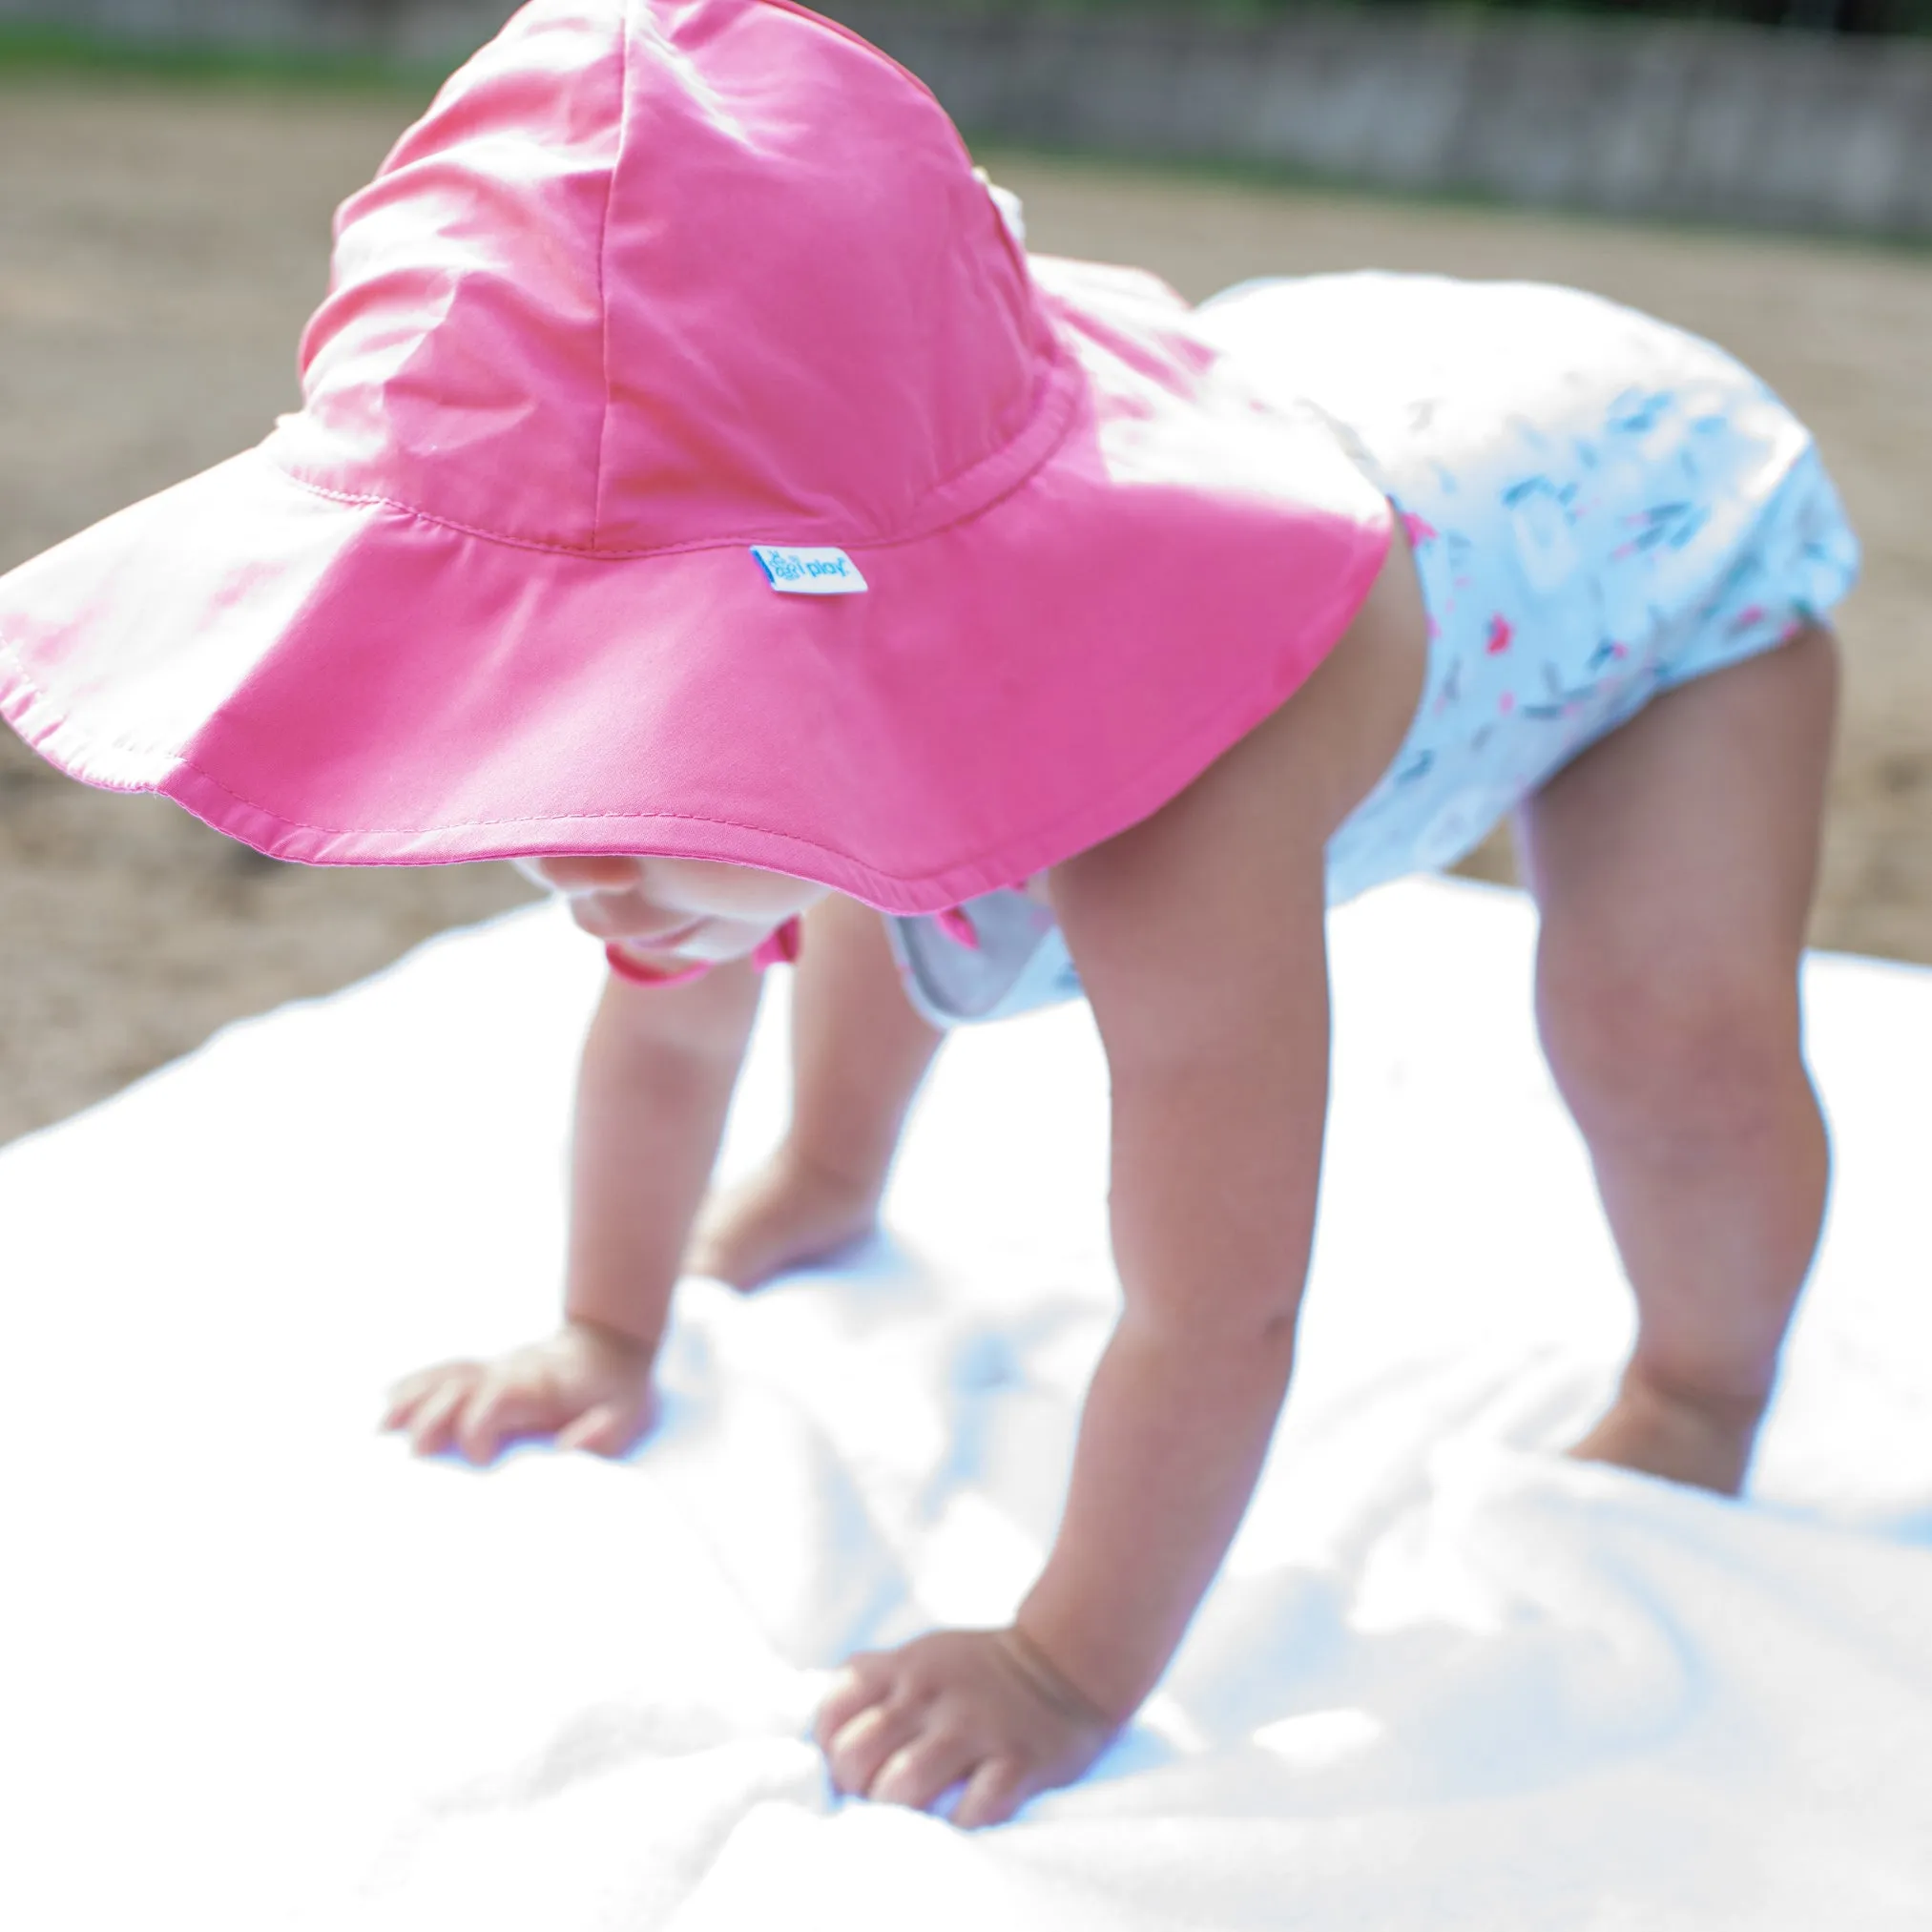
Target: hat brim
x,y
349,682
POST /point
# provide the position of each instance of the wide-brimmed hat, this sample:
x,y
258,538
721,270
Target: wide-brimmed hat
x,y
692,462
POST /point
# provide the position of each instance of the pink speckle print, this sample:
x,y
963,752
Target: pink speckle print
x,y
1501,633
1418,529
1507,703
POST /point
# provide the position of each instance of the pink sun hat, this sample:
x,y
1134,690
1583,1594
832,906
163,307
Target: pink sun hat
x,y
692,462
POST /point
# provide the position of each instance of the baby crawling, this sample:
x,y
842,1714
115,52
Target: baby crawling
x,y
1672,862
849,575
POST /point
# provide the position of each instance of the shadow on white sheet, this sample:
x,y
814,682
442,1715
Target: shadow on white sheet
x,y
264,1671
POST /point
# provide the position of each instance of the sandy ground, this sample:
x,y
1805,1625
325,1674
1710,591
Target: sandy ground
x,y
160,245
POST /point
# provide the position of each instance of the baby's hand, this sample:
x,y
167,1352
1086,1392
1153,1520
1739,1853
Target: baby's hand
x,y
979,1708
590,1387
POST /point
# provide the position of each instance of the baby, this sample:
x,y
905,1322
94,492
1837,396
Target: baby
x,y
700,497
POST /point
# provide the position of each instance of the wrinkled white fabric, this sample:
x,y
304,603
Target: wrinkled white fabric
x,y
264,1672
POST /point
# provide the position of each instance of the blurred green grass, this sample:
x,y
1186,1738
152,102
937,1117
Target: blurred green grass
x,y
1810,16
26,51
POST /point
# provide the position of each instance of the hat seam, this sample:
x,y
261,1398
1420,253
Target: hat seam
x,y
603,275
1054,387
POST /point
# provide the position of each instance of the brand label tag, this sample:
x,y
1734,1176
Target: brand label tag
x,y
808,573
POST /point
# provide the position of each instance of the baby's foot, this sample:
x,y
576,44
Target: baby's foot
x,y
788,1213
1706,1443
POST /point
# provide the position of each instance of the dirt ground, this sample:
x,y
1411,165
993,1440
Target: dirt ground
x,y
161,243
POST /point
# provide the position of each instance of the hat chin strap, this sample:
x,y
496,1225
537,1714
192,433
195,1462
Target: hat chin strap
x,y
778,948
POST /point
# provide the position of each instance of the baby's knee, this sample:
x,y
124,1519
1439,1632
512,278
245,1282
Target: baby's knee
x,y
1649,1049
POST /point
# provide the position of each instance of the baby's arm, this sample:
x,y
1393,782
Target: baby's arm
x,y
658,1068
1216,1032
1199,936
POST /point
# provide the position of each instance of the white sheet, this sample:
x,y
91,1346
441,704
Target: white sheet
x,y
265,1671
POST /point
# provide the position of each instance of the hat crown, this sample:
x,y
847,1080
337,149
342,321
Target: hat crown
x,y
651,276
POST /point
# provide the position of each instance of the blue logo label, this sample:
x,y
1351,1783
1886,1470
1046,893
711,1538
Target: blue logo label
x,y
808,572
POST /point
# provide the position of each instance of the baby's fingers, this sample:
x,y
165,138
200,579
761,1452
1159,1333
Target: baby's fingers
x,y
406,1396
431,1423
608,1428
920,1772
863,1748
993,1794
500,1407
861,1684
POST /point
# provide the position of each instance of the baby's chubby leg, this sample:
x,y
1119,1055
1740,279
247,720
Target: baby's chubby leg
x,y
1674,863
859,1054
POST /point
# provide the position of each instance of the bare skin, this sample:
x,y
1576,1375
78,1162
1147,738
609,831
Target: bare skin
x,y
1222,889
1673,864
859,1054
658,1068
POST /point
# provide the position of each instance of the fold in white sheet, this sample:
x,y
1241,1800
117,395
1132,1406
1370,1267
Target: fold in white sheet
x,y
262,1670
